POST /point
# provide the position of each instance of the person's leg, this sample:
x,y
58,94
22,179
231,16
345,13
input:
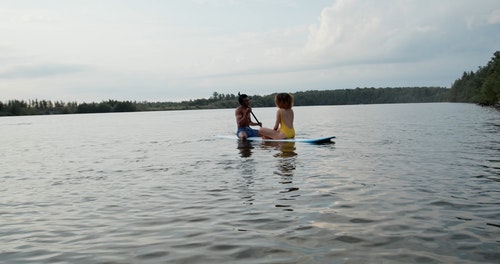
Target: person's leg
x,y
241,134
253,132
270,133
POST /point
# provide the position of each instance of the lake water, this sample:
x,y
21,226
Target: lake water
x,y
402,183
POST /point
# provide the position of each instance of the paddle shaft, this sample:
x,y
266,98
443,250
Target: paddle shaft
x,y
260,124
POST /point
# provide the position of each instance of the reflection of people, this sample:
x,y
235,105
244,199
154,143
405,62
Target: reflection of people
x,y
287,150
243,119
283,127
245,149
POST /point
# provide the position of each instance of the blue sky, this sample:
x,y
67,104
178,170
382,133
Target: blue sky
x,y
154,50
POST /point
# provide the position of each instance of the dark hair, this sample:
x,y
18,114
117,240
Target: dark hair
x,y
241,97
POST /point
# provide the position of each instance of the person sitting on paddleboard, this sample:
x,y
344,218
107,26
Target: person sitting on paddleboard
x,y
283,128
243,119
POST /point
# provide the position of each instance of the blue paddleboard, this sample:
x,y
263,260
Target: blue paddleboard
x,y
305,140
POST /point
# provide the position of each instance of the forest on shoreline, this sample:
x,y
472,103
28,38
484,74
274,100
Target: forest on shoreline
x,y
217,101
480,87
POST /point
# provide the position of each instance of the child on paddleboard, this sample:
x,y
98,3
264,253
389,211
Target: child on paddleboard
x,y
283,128
243,119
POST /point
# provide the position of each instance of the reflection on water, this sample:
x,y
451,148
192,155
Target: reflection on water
x,y
286,154
286,158
245,148
286,149
247,171
285,167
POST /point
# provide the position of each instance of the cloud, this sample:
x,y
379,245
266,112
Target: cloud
x,y
494,17
355,31
41,70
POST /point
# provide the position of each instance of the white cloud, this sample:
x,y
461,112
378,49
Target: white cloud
x,y
353,31
356,31
494,17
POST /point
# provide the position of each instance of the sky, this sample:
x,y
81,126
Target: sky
x,y
172,50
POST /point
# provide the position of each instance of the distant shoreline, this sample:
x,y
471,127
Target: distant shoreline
x,y
221,101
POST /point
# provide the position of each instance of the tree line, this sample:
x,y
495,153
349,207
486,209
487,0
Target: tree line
x,y
481,87
216,101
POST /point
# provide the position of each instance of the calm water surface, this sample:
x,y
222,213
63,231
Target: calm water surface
x,y
403,183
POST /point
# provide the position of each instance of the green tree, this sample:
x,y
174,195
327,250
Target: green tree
x,y
490,90
480,87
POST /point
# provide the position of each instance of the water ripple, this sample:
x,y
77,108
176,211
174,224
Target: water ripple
x,y
402,184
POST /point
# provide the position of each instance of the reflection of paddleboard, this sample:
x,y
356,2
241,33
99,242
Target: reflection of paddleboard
x,y
305,140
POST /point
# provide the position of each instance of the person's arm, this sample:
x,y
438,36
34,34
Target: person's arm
x,y
254,124
277,123
250,119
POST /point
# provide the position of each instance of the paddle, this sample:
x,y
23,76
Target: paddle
x,y
260,124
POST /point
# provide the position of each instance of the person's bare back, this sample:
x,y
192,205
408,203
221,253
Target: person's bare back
x,y
287,117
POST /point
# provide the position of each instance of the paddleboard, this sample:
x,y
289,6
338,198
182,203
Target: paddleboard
x,y
304,140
